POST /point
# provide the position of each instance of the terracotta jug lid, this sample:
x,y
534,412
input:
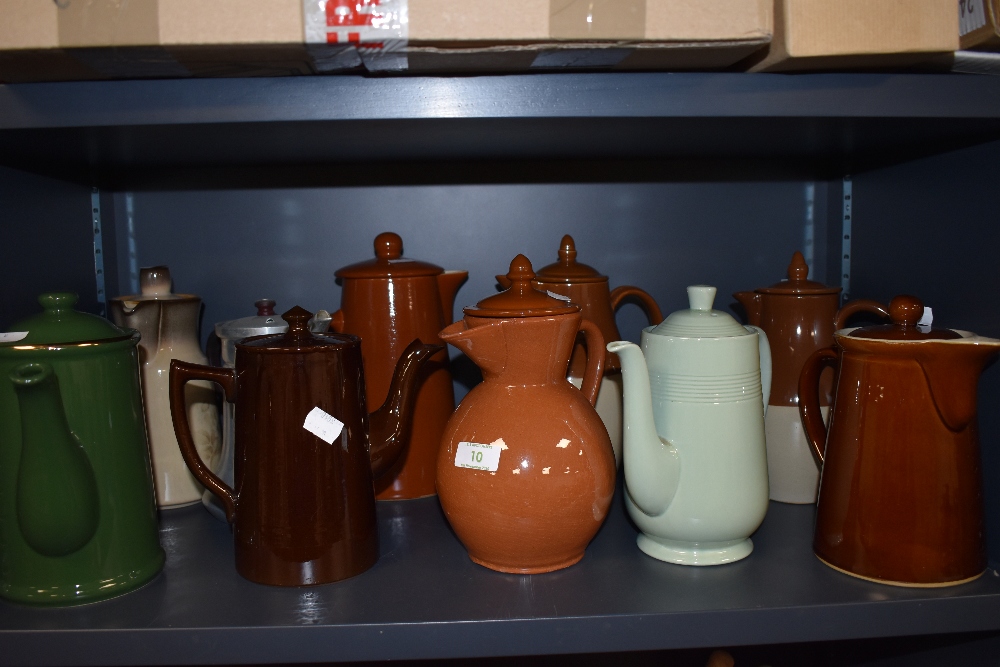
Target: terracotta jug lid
x,y
298,335
797,282
59,323
567,269
389,262
522,300
905,311
155,284
700,321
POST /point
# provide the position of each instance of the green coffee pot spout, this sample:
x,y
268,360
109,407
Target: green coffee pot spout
x,y
56,495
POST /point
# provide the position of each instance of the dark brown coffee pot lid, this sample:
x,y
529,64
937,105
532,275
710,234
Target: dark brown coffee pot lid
x,y
521,300
389,262
797,282
297,337
905,311
567,269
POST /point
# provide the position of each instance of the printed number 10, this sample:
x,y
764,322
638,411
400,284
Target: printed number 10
x,y
477,457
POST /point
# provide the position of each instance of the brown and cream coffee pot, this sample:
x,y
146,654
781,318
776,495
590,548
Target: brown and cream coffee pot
x,y
585,286
303,503
799,317
900,498
387,302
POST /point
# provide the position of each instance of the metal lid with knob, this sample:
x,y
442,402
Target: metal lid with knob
x,y
389,262
298,336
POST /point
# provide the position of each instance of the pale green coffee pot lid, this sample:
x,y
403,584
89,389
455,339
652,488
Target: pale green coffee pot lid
x,y
700,321
59,323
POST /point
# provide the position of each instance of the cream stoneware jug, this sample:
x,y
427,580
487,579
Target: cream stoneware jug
x,y
695,458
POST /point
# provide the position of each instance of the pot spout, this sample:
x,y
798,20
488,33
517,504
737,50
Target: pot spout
x,y
751,303
652,465
390,427
448,284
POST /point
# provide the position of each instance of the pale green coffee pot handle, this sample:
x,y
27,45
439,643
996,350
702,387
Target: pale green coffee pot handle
x,y
764,348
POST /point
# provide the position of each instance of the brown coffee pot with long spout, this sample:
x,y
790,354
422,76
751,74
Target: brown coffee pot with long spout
x,y
303,505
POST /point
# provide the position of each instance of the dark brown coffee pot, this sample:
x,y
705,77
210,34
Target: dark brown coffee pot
x,y
303,506
799,317
900,498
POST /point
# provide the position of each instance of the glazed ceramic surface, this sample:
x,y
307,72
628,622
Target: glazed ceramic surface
x,y
900,498
77,510
799,317
168,324
537,510
585,286
695,458
303,508
388,302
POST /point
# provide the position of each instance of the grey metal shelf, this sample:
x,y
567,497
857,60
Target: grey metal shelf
x,y
200,133
426,599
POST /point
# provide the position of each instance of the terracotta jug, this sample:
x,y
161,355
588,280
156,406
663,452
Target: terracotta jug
x,y
303,505
900,498
168,324
387,302
526,472
586,287
799,317
77,510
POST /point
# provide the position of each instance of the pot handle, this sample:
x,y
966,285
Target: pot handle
x,y
180,374
641,297
858,306
595,360
812,418
764,352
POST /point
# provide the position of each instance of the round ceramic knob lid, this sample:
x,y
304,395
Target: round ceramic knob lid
x,y
700,320
905,311
154,281
798,282
567,269
389,262
522,299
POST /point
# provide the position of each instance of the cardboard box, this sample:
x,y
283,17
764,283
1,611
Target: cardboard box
x,y
100,39
977,24
859,34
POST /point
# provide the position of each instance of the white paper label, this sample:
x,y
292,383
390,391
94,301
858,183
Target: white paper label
x,y
561,297
971,16
324,426
372,32
477,456
13,336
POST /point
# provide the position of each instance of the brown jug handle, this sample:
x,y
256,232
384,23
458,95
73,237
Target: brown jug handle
x,y
812,418
858,306
337,321
181,373
595,360
645,301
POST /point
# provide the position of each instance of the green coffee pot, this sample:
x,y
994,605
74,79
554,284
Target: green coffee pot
x,y
77,510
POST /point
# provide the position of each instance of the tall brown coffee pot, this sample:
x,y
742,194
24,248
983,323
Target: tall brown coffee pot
x,y
586,287
799,317
387,302
303,505
900,499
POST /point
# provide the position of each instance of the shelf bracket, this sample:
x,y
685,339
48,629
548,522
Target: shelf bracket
x,y
845,242
95,219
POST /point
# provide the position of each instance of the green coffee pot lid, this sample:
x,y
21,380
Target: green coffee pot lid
x,y
58,323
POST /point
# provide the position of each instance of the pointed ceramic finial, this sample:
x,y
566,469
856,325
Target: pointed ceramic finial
x,y
798,270
567,250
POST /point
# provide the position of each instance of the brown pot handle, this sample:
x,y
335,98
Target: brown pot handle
x,y
337,321
595,360
812,418
858,306
181,373
645,301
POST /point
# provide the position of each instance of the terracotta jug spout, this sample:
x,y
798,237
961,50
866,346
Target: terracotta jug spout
x,y
482,344
390,424
448,284
751,303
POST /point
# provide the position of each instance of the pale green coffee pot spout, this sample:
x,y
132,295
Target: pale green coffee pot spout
x,y
652,465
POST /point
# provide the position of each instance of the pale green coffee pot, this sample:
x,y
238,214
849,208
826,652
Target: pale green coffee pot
x,y
77,511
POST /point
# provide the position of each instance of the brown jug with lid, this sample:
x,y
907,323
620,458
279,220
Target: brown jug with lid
x,y
526,472
303,505
799,317
586,287
387,302
900,498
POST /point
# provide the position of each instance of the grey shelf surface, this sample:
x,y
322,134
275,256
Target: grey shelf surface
x,y
425,599
304,130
